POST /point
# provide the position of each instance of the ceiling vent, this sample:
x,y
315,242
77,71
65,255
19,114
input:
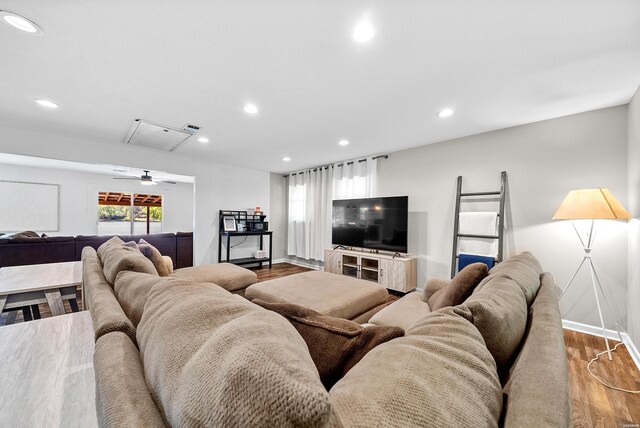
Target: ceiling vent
x,y
191,129
155,136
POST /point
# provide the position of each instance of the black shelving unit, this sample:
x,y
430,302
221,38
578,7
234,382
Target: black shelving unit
x,y
243,218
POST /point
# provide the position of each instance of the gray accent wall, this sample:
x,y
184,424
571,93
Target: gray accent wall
x,y
633,315
543,160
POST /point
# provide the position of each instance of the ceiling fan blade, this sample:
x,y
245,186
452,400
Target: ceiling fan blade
x,y
166,181
126,178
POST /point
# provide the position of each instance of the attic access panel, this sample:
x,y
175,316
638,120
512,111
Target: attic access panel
x,y
155,136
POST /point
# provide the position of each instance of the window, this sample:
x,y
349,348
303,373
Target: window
x,y
310,202
129,214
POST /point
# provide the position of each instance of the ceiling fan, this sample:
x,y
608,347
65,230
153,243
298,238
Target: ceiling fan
x,y
146,179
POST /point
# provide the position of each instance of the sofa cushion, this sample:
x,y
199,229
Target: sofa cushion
x,y
122,397
524,269
535,383
212,358
460,287
152,253
132,290
116,257
106,313
404,312
184,249
500,314
335,344
227,275
439,374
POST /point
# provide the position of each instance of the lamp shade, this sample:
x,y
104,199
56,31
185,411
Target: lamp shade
x,y
590,204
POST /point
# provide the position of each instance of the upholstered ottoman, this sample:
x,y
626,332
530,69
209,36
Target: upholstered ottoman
x,y
328,293
231,277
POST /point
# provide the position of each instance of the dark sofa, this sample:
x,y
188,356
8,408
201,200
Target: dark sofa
x,y
53,249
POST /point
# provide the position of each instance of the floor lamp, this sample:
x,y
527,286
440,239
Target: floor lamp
x,y
591,204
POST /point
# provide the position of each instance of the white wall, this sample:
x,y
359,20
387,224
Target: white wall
x,y
217,186
79,197
543,161
277,215
633,296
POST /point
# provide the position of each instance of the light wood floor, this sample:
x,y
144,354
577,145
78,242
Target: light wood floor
x,y
593,404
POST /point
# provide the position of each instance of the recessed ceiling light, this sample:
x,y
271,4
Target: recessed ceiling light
x,y
47,103
364,31
286,159
250,109
343,142
20,22
445,112
203,139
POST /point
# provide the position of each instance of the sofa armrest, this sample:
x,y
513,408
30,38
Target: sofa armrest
x,y
433,285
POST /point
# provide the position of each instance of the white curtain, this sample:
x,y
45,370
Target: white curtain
x,y
310,213
310,198
357,179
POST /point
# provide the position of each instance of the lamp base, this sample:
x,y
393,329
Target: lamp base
x,y
595,282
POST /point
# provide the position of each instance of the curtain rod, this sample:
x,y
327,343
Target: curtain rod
x,y
338,165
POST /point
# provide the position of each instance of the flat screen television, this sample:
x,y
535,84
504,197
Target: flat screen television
x,y
375,223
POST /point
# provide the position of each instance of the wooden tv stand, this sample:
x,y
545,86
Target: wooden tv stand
x,y
395,273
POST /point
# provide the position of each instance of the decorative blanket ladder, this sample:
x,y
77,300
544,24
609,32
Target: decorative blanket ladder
x,y
456,223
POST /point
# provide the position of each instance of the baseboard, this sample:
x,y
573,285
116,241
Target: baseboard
x,y
302,263
592,330
633,351
611,334
297,263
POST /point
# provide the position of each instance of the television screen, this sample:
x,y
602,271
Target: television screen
x,y
377,223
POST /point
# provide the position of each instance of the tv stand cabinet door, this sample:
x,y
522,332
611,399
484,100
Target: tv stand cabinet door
x,y
332,261
393,274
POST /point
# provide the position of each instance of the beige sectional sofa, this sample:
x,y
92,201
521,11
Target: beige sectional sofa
x,y
175,352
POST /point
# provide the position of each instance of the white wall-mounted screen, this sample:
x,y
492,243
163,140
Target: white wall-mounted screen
x,y
28,206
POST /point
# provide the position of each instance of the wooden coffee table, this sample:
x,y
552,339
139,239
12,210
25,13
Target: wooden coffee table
x,y
45,283
47,373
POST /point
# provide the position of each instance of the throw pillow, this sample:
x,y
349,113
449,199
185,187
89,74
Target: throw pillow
x,y
460,287
131,244
523,268
132,291
152,253
500,315
335,344
27,234
439,374
116,257
433,285
102,249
